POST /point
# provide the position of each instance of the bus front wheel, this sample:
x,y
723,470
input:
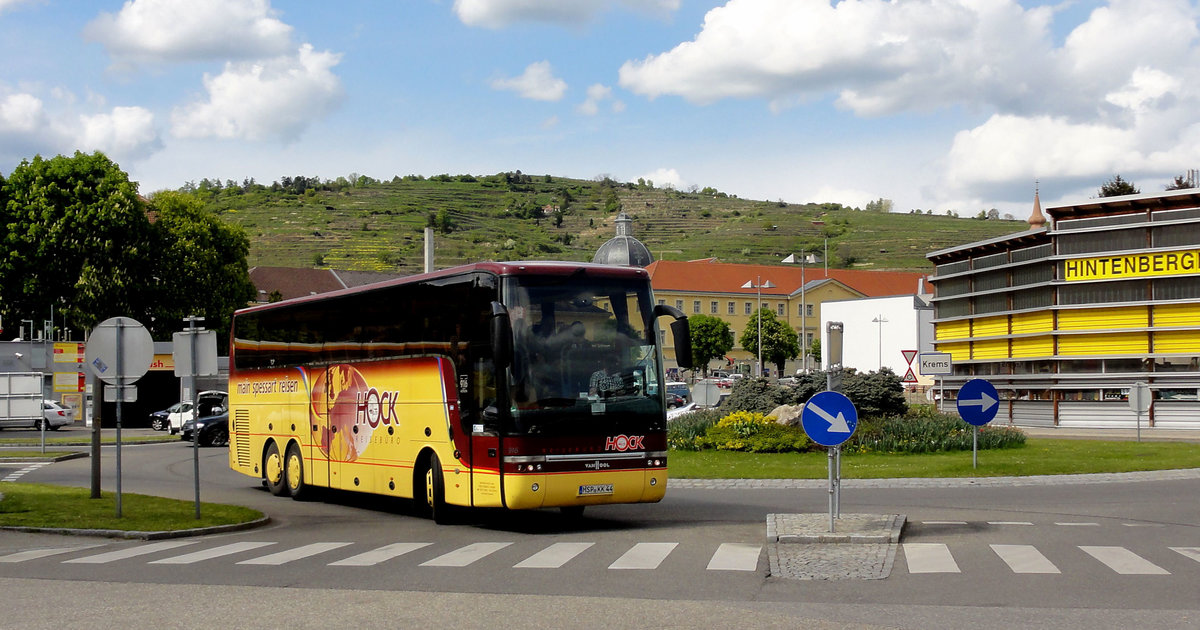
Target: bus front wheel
x,y
435,491
293,470
273,471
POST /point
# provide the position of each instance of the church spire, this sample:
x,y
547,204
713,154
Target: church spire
x,y
1036,219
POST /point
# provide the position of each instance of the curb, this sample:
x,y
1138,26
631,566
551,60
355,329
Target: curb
x,y
134,535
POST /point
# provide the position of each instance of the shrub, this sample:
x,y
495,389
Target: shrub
x,y
753,395
755,433
927,432
685,432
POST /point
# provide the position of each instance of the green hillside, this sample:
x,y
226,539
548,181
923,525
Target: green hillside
x,y
378,226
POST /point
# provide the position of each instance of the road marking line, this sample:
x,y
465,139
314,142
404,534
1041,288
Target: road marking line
x,y
298,553
1024,559
466,555
1124,561
1009,523
122,554
1079,524
15,475
644,556
929,558
554,556
943,522
1142,524
33,554
382,554
215,552
1191,552
735,557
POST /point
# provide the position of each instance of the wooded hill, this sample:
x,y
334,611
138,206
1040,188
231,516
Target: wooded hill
x,y
367,225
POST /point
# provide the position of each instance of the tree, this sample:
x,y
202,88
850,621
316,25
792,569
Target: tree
x,y
779,342
1116,187
711,339
73,237
881,205
1182,182
200,266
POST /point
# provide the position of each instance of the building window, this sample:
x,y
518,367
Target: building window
x,y
712,307
748,308
662,302
679,305
731,308
695,306
780,310
808,310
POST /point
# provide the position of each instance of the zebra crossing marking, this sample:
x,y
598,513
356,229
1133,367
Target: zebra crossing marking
x,y
1190,552
375,556
34,554
735,557
21,472
283,557
464,556
1024,559
554,556
929,558
215,552
644,556
1123,561
131,552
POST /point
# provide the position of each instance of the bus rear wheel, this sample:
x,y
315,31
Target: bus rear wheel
x,y
435,492
273,471
293,470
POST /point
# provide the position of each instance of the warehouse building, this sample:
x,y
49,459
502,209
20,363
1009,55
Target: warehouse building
x,y
1065,317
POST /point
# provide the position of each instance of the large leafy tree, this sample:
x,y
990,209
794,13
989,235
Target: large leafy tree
x,y
779,342
73,238
200,265
711,339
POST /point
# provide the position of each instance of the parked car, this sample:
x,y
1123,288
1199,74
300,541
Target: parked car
x,y
54,416
160,420
681,389
214,430
211,403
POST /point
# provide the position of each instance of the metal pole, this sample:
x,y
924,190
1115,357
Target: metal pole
x,y
758,287
195,415
975,447
837,496
1139,426
120,398
803,319
829,462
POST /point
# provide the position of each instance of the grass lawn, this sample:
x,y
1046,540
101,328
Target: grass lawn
x,y
87,439
1038,457
38,505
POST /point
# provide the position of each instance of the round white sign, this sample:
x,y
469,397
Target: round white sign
x,y
119,344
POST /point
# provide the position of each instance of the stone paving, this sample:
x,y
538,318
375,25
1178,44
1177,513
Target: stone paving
x,y
860,547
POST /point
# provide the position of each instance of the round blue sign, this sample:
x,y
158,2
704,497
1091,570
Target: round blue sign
x,y
978,402
829,418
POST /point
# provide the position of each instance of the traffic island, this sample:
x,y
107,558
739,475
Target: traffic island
x,y
860,547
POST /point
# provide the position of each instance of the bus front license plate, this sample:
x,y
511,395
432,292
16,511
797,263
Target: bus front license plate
x,y
595,489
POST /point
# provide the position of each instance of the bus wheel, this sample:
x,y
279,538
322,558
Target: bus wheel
x,y
435,491
273,471
293,467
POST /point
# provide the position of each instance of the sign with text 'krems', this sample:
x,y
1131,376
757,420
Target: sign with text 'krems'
x,y
978,402
829,418
936,363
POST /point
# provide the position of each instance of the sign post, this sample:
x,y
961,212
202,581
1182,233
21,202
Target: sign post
x,y
829,418
195,354
978,403
1140,400
119,352
937,364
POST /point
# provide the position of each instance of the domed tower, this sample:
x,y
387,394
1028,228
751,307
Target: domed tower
x,y
1036,219
623,249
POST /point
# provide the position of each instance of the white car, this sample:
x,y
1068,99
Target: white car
x,y
54,416
211,403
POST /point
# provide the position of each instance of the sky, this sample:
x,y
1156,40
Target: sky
x,y
942,105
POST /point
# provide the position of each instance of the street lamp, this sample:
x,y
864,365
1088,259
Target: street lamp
x,y
880,319
791,260
759,285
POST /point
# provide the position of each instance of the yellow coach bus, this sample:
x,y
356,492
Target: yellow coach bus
x,y
520,385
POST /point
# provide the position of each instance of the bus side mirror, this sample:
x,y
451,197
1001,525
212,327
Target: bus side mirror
x,y
502,344
680,332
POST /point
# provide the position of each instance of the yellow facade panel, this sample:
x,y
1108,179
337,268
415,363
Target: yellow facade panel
x,y
1023,323
990,326
960,329
1033,347
1166,315
1103,318
1102,344
990,349
1176,341
958,351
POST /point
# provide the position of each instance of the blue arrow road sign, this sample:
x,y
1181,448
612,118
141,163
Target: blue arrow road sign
x,y
829,418
978,402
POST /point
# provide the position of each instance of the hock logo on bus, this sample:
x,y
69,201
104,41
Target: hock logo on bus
x,y
624,443
374,407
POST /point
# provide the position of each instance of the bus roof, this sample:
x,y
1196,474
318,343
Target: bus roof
x,y
512,268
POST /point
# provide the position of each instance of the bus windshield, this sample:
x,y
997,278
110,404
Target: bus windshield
x,y
584,354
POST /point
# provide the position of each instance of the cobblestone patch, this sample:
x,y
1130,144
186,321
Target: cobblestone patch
x,y
849,528
839,561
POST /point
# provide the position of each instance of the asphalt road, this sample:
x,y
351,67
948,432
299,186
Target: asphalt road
x,y
1080,555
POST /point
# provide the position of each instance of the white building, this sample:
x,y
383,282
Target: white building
x,y
881,332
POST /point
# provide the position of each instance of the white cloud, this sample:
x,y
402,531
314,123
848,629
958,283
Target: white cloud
x,y
537,83
5,5
665,178
126,132
501,13
597,94
271,99
186,30
21,113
